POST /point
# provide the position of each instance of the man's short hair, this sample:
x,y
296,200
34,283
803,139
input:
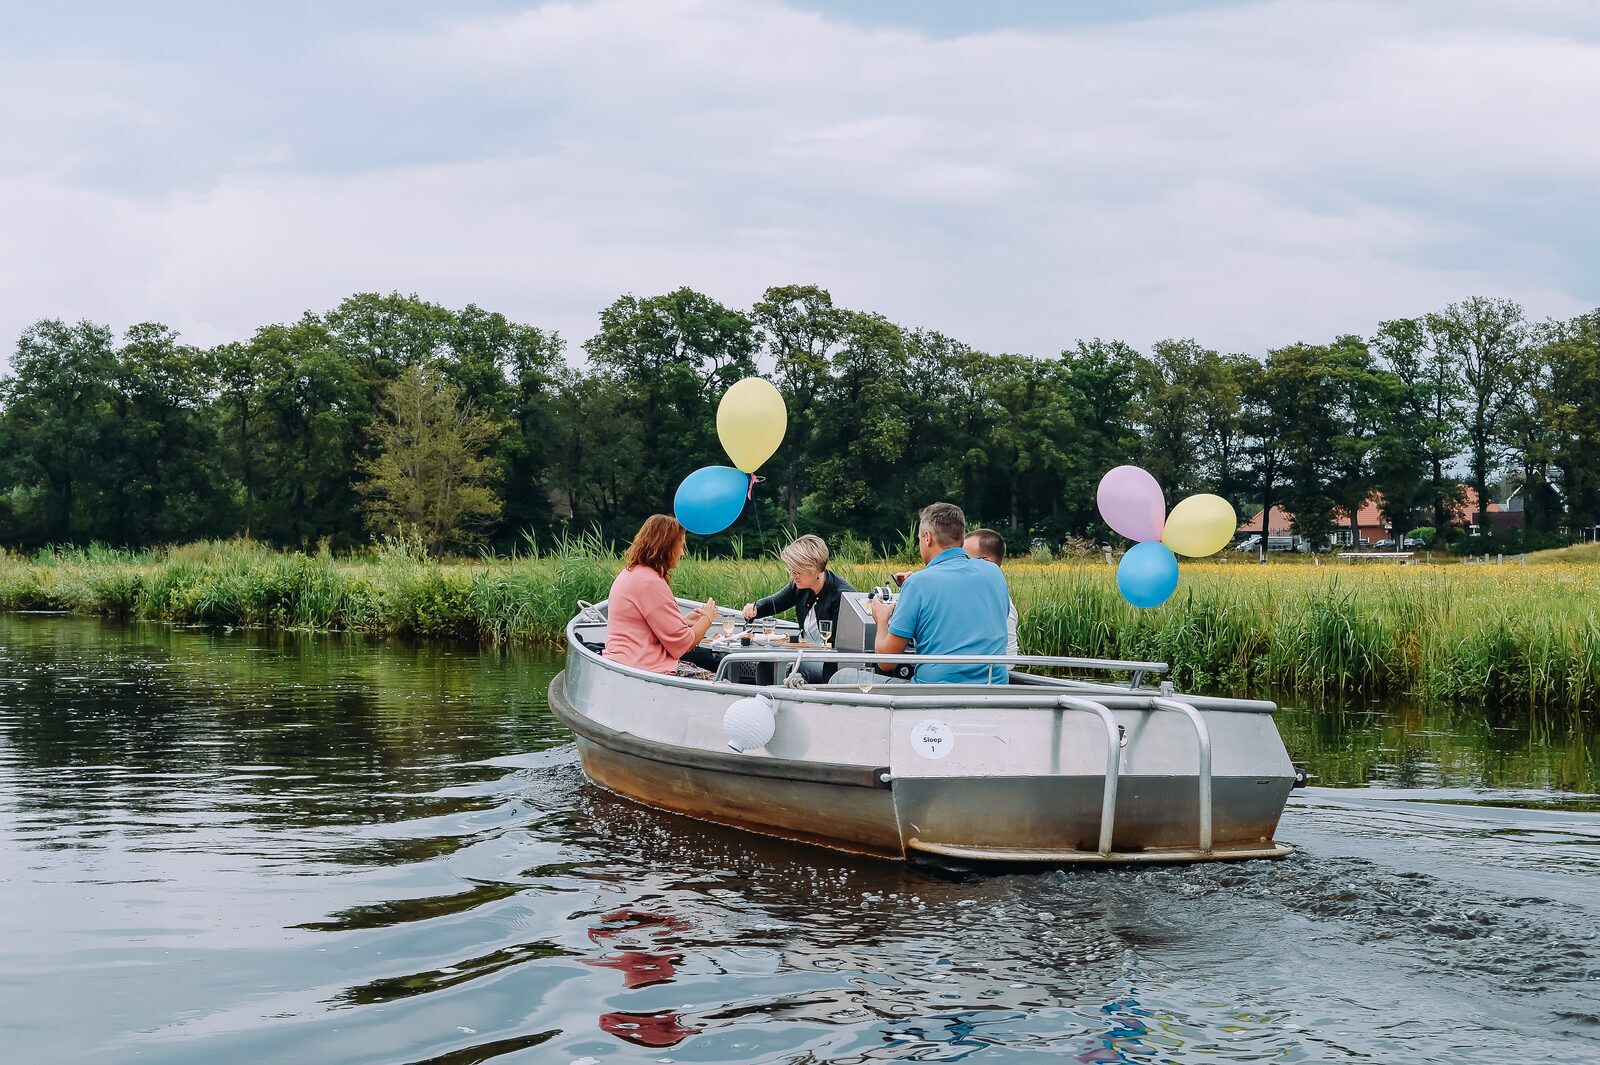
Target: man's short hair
x,y
991,545
945,521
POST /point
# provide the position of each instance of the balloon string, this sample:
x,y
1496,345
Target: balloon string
x,y
750,495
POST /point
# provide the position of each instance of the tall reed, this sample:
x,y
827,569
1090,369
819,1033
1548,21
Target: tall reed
x,y
1515,635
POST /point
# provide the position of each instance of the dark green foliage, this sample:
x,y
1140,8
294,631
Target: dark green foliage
x,y
60,435
273,438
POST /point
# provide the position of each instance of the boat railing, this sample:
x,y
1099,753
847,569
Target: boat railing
x,y
1108,794
1202,736
1138,669
955,697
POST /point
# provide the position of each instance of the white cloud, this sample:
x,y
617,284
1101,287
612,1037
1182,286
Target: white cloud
x,y
1247,176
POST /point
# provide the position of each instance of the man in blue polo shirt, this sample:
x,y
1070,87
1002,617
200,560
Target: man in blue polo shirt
x,y
956,606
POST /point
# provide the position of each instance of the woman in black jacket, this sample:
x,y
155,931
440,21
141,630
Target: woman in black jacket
x,y
813,589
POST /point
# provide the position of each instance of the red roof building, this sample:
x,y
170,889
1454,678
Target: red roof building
x,y
1280,526
1369,519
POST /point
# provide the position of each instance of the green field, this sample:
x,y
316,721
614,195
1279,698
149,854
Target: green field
x,y
1583,554
1517,635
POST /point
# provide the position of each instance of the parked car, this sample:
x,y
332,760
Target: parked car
x,y
1274,543
1415,543
1384,545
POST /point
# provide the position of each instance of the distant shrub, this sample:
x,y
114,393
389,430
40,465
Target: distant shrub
x,y
851,548
1078,547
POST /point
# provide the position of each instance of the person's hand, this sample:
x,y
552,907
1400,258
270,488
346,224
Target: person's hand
x,y
749,611
900,578
710,608
881,611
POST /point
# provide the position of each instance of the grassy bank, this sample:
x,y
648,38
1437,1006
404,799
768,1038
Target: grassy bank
x,y
1584,554
1516,634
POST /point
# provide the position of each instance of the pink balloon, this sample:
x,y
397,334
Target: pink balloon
x,y
1131,503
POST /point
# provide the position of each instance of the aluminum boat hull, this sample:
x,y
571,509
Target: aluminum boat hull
x,y
1019,783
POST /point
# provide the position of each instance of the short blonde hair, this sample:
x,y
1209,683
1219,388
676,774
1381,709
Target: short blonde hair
x,y
807,553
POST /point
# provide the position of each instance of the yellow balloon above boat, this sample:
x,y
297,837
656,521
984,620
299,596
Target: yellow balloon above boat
x,y
1200,525
751,421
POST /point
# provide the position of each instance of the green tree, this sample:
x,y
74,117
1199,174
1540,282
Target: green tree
x,y
1293,412
1570,353
1364,395
673,356
1531,436
802,328
1266,394
59,411
1034,438
1485,339
598,452
862,432
241,372
1173,414
1101,382
315,411
430,471
963,383
1424,433
943,409
513,373
169,485
383,335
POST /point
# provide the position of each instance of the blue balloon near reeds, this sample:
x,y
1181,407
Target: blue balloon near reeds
x,y
1148,574
710,499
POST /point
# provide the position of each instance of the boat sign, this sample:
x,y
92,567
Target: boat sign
x,y
933,739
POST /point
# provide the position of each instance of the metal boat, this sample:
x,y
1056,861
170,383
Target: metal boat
x,y
1041,768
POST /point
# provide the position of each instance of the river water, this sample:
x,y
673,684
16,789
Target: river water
x,y
239,847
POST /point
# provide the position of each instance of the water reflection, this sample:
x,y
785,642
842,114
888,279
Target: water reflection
x,y
1405,745
291,849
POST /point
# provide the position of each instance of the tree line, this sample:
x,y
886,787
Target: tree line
x,y
391,412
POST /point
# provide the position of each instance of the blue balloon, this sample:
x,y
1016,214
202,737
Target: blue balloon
x,y
1148,574
710,499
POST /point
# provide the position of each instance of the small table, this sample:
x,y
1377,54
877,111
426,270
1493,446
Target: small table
x,y
710,652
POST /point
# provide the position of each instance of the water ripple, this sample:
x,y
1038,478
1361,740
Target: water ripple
x,y
347,851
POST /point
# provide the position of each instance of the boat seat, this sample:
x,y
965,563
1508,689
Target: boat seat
x,y
592,636
748,673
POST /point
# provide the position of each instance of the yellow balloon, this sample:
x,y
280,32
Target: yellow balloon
x,y
1200,525
751,420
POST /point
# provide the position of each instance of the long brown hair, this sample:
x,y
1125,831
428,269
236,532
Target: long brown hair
x,y
656,544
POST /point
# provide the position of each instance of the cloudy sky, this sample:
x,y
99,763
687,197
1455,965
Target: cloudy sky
x,y
1016,174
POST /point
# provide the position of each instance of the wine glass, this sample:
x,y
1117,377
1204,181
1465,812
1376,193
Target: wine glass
x,y
825,630
728,626
769,626
864,681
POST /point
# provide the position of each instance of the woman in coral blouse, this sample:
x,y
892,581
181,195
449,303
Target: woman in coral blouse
x,y
645,627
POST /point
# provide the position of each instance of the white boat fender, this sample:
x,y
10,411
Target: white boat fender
x,y
749,723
